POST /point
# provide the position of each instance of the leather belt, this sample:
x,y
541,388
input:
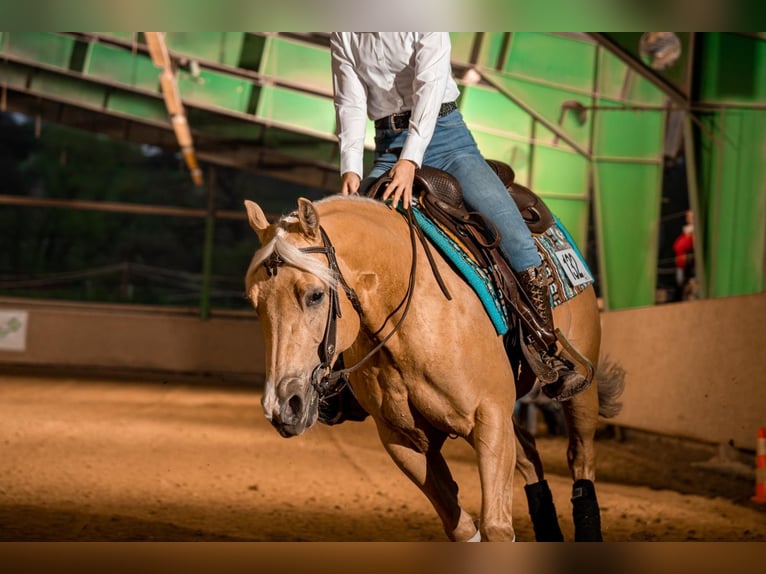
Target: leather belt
x,y
401,121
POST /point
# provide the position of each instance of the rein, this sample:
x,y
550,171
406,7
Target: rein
x,y
327,381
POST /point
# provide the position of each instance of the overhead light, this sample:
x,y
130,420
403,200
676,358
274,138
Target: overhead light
x,y
659,50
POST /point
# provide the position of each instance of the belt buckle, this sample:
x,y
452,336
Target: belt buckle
x,y
392,120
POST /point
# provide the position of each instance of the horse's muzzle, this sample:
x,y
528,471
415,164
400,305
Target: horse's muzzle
x,y
295,409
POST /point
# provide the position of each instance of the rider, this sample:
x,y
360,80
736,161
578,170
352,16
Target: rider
x,y
403,81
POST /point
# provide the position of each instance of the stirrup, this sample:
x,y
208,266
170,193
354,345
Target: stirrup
x,y
569,383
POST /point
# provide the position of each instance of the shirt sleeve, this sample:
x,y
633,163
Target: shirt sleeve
x,y
350,99
432,71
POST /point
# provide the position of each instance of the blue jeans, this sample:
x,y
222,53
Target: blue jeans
x,y
454,150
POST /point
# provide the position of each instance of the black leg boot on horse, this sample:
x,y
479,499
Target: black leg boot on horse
x,y
560,381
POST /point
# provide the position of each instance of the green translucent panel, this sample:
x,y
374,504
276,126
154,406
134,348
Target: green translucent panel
x,y
563,61
222,47
45,48
733,203
142,107
735,68
514,153
492,111
69,88
628,201
215,89
559,171
121,66
545,136
297,62
574,214
462,46
629,133
618,82
546,102
297,109
492,48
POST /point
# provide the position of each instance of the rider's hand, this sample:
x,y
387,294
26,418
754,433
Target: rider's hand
x,y
402,176
350,183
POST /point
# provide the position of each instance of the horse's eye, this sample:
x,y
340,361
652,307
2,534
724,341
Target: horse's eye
x,y
314,298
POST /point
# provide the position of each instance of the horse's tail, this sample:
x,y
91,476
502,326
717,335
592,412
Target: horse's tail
x,y
610,378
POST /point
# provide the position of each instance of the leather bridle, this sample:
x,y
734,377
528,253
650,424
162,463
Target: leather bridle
x,y
326,380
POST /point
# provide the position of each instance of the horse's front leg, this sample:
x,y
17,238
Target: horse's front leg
x,y
429,471
494,441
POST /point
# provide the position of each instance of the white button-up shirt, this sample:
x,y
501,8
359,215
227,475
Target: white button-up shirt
x,y
376,74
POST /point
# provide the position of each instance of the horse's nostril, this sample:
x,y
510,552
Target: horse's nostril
x,y
294,406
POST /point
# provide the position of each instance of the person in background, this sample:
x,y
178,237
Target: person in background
x,y
403,82
683,246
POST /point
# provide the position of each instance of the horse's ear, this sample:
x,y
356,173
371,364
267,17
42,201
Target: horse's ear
x,y
308,216
257,219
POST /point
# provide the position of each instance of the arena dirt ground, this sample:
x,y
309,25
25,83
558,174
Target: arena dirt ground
x,y
88,459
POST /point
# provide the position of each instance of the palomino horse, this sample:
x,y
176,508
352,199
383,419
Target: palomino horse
x,y
344,266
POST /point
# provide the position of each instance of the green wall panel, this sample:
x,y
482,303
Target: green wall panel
x,y
298,109
222,47
141,107
492,111
514,153
558,60
296,62
215,89
493,48
559,171
121,66
628,133
733,194
68,88
731,165
735,68
618,82
546,101
46,48
462,46
628,203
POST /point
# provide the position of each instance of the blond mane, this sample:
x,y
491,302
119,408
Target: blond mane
x,y
291,255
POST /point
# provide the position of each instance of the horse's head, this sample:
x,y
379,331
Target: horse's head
x,y
292,289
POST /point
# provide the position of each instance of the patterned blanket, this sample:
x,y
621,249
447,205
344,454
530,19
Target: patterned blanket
x,y
563,261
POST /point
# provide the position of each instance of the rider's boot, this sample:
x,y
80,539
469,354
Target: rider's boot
x,y
569,382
